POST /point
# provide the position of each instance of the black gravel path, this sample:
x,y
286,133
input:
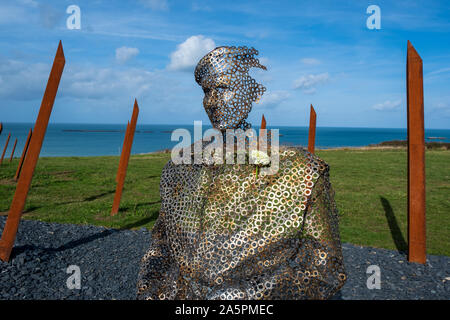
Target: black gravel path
x,y
109,263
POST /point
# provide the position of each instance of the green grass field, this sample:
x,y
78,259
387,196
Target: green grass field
x,y
370,188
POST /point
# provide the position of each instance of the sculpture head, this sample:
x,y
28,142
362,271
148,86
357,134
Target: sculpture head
x,y
229,89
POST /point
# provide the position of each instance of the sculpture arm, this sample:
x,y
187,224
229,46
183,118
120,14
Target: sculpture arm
x,y
155,266
156,276
321,248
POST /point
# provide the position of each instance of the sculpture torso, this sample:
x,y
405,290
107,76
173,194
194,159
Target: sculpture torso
x,y
222,233
225,233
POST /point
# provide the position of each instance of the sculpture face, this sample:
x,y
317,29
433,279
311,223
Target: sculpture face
x,y
229,90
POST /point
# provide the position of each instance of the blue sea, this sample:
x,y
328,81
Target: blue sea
x,y
65,139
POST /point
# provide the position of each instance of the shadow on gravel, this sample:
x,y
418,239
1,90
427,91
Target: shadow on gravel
x,y
396,233
70,245
141,222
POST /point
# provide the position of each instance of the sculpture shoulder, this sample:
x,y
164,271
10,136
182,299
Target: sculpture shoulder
x,y
288,156
175,176
301,157
170,168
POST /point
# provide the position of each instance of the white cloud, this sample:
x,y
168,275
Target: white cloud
x,y
200,7
109,83
388,105
156,4
310,61
188,53
92,93
20,81
50,16
112,89
123,54
264,61
10,14
273,98
31,3
257,34
442,105
439,71
309,82
441,109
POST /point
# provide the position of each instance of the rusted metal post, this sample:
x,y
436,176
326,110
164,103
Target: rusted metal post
x,y
416,158
23,185
1,127
12,152
124,158
6,147
312,130
262,140
122,154
24,152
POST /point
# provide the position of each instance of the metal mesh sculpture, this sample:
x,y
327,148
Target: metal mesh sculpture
x,y
229,89
225,233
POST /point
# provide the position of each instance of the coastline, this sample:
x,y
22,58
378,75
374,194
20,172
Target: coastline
x,y
82,140
385,145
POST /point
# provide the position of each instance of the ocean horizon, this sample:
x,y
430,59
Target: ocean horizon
x,y
76,139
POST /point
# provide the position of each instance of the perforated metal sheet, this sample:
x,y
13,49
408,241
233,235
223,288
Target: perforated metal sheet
x,y
229,89
223,232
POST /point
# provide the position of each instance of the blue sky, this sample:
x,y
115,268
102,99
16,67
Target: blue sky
x,y
318,52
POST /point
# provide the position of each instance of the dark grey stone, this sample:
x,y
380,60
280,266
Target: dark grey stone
x,y
109,262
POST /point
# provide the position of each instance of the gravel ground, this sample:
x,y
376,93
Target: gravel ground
x,y
109,263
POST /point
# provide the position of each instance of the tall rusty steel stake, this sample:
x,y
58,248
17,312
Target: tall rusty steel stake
x,y
124,158
416,158
6,147
312,130
24,152
23,185
12,152
122,154
262,144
